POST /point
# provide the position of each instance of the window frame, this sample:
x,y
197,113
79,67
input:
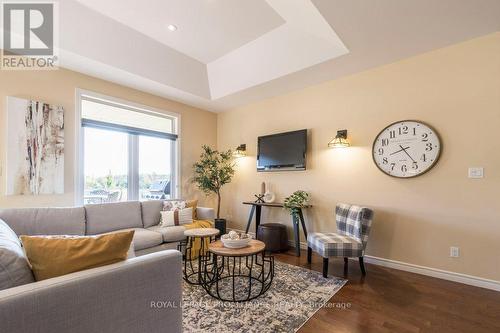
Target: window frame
x,y
133,167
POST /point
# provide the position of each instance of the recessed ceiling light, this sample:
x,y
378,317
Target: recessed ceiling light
x,y
172,27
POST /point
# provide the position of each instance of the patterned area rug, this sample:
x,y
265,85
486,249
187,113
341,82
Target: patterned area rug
x,y
295,295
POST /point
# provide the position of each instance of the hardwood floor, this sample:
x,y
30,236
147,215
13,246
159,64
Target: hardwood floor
x,y
389,300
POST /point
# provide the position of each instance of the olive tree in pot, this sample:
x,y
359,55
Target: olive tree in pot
x,y
214,170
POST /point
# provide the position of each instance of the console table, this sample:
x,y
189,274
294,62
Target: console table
x,y
257,210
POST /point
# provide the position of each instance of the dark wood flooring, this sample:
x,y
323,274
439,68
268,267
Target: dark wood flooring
x,y
389,300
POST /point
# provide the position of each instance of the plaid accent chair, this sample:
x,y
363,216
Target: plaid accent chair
x,y
353,227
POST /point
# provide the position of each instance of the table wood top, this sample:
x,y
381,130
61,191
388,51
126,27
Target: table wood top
x,y
269,204
254,247
201,232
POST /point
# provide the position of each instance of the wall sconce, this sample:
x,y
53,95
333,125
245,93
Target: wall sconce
x,y
340,140
241,151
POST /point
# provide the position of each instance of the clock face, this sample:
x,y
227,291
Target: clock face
x,y
406,149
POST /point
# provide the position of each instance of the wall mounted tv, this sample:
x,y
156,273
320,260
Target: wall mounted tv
x,y
282,152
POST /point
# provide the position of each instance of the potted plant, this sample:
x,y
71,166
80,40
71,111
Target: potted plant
x,y
294,202
214,170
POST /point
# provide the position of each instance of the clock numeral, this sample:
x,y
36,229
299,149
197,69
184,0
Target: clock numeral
x,y
385,160
428,146
414,131
381,151
392,134
414,166
424,137
392,166
385,142
423,158
404,168
403,130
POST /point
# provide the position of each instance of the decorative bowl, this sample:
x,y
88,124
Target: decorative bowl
x,y
235,243
234,240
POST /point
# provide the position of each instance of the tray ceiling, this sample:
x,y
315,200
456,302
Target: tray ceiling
x,y
227,53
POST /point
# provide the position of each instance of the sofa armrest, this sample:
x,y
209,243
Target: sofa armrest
x,y
205,213
141,294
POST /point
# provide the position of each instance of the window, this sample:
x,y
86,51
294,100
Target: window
x,y
126,152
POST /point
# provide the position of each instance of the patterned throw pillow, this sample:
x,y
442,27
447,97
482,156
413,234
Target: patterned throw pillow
x,y
181,204
169,218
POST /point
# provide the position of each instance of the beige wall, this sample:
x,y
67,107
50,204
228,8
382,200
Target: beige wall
x,y
456,90
58,87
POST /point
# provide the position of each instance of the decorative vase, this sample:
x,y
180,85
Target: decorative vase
x,y
269,197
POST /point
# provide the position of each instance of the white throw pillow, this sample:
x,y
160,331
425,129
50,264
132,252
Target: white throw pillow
x,y
171,218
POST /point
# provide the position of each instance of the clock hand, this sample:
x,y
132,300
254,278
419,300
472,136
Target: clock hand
x,y
399,150
404,149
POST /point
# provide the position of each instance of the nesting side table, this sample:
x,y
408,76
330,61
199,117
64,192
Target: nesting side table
x,y
237,275
195,258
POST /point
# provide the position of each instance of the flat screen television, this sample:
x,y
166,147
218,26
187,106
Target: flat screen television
x,y
283,151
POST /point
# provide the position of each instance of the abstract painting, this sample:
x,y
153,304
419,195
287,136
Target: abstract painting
x,y
35,147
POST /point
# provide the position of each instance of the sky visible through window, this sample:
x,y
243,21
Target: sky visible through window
x,y
107,152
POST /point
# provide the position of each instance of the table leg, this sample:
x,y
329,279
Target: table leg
x,y
257,219
296,234
303,222
250,217
202,241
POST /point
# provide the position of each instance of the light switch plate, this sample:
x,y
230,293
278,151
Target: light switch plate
x,y
476,172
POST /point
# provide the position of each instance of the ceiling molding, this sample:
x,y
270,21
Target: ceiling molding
x,y
306,39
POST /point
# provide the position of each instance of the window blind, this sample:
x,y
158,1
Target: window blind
x,y
127,129
106,115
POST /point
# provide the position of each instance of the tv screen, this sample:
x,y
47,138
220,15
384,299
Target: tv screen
x,y
283,151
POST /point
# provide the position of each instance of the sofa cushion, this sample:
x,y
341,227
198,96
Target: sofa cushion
x,y
151,212
45,221
14,267
103,218
144,238
170,234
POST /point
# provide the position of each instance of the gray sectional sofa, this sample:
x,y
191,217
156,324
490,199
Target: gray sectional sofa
x,y
141,294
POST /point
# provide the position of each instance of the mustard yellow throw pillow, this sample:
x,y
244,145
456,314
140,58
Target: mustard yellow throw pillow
x,y
51,256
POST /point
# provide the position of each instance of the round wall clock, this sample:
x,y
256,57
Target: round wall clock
x,y
406,149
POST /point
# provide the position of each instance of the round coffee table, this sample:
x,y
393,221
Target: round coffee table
x,y
192,270
237,275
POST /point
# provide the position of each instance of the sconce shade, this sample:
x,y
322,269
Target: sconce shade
x,y
340,140
241,151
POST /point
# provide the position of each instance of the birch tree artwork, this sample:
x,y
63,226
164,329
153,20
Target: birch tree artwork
x,y
35,151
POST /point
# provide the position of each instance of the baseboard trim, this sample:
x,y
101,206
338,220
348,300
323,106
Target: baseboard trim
x,y
422,270
434,272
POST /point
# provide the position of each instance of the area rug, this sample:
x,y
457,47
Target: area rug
x,y
295,295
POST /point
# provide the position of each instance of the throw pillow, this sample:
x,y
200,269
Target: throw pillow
x,y
52,256
171,218
14,266
181,204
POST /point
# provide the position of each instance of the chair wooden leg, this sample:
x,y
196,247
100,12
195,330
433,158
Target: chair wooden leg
x,y
325,267
362,266
309,254
346,264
